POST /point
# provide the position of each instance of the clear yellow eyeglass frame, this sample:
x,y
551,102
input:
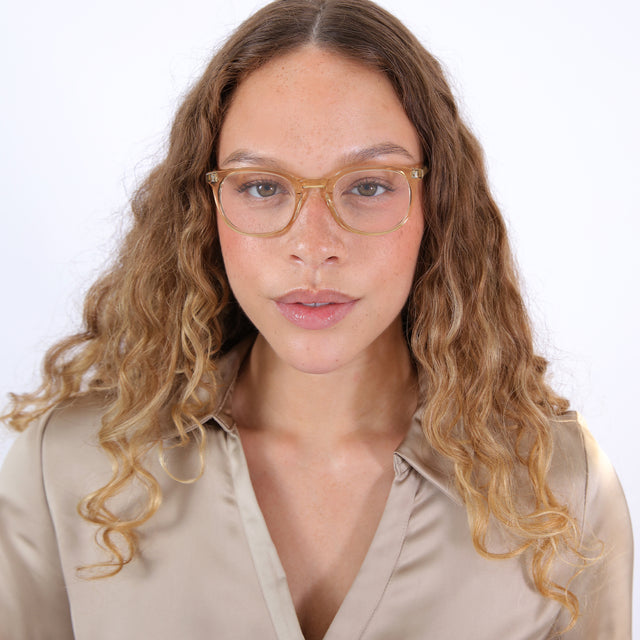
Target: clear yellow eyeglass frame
x,y
301,187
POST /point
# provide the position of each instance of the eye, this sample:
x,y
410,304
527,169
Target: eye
x,y
370,188
261,188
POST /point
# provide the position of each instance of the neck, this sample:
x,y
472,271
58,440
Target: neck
x,y
373,396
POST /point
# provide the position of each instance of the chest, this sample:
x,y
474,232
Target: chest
x,y
322,515
209,564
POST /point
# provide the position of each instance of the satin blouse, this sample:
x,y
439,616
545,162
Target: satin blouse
x,y
208,568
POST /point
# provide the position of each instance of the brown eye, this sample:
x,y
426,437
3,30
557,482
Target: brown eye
x,y
368,189
264,189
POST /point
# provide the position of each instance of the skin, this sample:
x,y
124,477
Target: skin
x,y
319,448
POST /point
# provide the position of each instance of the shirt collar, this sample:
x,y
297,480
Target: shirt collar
x,y
414,451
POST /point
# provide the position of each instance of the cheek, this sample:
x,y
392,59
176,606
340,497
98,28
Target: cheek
x,y
228,245
403,252
238,251
407,256
394,271
234,252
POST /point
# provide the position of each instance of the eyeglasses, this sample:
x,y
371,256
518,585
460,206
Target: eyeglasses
x,y
365,200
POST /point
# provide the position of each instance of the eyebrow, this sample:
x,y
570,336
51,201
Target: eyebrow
x,y
244,156
370,153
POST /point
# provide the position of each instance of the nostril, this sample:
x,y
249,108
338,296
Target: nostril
x,y
333,259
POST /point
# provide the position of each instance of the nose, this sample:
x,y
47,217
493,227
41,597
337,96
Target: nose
x,y
315,237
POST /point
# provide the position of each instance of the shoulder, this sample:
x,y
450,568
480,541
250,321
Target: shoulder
x,y
60,447
578,465
569,469
75,423
582,475
49,468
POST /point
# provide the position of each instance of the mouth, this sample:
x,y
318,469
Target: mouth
x,y
314,310
311,298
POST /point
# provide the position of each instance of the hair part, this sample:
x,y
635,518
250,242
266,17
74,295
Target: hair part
x,y
158,321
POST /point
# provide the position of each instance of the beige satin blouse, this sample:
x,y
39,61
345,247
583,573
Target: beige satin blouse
x,y
209,569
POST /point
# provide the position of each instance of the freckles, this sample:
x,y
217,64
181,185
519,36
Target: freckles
x,y
234,252
400,254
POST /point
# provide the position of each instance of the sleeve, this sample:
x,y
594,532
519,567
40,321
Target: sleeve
x,y
33,597
604,588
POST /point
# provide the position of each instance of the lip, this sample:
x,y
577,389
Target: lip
x,y
315,309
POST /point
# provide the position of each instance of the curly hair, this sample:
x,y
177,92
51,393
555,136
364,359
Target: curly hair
x,y
157,322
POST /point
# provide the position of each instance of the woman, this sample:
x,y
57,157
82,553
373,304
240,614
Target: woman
x,y
306,402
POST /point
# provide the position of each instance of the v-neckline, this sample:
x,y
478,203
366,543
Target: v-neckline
x,y
363,596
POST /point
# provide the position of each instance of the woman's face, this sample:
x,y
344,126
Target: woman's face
x,y
321,296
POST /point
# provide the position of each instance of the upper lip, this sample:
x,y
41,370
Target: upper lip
x,y
308,296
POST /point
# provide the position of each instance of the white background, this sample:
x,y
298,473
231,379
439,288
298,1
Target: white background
x,y
550,88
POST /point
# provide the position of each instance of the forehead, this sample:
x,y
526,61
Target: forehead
x,y
310,107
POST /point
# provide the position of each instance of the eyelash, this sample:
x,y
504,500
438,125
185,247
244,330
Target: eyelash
x,y
245,186
370,181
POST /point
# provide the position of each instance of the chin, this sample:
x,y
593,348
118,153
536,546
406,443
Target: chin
x,y
315,367
316,356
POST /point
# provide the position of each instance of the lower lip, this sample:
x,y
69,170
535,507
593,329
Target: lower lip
x,y
322,317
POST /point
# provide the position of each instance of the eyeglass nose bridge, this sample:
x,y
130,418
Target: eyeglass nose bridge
x,y
314,183
304,187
